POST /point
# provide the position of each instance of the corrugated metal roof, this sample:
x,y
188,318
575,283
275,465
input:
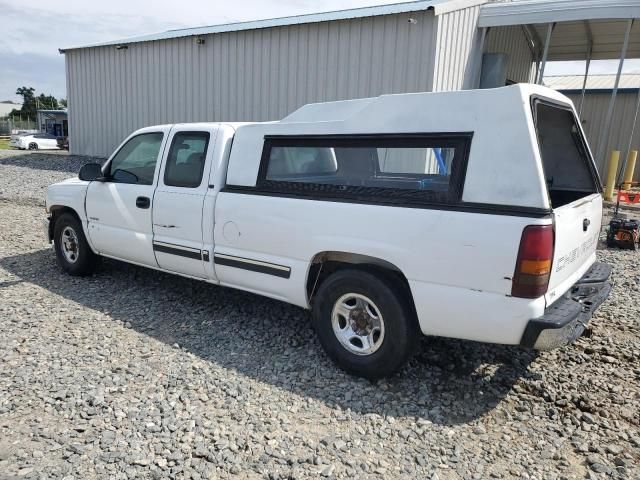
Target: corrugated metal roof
x,y
578,24
437,6
594,82
527,12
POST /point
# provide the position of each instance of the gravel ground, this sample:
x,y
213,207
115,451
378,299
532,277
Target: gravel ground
x,y
132,373
26,175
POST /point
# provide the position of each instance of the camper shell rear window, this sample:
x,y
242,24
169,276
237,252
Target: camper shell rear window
x,y
567,163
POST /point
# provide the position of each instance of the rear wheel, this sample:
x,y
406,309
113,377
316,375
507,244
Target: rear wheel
x,y
364,323
73,252
33,146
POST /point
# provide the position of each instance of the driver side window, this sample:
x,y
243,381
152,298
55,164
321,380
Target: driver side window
x,y
136,161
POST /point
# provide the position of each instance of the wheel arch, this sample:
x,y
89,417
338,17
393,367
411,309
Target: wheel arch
x,y
325,263
56,211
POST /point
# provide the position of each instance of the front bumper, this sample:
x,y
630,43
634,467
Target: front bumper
x,y
565,320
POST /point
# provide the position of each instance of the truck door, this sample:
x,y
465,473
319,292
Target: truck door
x,y
179,200
119,207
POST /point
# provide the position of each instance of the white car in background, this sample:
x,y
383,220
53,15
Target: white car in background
x,y
35,141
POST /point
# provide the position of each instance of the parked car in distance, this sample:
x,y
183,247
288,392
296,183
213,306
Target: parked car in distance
x,y
34,141
14,137
63,143
470,214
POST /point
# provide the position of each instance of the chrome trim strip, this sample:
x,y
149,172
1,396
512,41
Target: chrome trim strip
x,y
258,266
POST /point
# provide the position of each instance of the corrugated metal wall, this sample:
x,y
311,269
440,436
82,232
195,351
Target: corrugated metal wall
x,y
593,117
457,40
513,42
249,75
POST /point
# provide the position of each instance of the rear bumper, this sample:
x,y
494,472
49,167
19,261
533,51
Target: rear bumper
x,y
565,320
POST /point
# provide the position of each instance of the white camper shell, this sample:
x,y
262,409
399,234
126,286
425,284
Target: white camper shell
x,y
471,214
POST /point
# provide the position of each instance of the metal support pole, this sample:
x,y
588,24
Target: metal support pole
x,y
587,28
478,72
537,43
545,55
633,131
604,137
584,85
534,43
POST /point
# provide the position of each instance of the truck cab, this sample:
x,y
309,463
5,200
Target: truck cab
x,y
152,202
383,219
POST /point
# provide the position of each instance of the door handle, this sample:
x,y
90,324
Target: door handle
x,y
143,202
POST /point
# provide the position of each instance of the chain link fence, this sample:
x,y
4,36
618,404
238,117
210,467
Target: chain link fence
x,y
10,125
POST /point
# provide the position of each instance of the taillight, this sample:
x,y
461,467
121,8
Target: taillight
x,y
533,267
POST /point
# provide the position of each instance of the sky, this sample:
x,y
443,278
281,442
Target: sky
x,y
33,30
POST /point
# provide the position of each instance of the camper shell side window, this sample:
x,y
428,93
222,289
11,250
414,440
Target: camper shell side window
x,y
387,168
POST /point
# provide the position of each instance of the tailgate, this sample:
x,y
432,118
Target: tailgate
x,y
577,229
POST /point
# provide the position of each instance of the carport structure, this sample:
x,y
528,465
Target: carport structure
x,y
586,30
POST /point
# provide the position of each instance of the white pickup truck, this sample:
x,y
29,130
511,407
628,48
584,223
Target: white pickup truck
x,y
471,214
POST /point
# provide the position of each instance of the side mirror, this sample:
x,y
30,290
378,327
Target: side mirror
x,y
90,172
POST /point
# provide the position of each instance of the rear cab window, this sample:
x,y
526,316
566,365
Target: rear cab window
x,y
186,159
388,168
568,167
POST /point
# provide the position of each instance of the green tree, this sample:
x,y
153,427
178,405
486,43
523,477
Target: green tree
x,y
31,103
26,92
46,102
28,102
62,102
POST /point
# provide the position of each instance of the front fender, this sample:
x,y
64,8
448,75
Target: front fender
x,y
68,195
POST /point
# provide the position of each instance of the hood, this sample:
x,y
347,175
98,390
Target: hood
x,y
71,181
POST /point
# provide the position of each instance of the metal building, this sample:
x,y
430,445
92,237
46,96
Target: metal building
x,y
263,70
594,110
54,122
583,30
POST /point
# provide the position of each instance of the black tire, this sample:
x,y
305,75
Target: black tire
x,y
401,331
84,261
33,146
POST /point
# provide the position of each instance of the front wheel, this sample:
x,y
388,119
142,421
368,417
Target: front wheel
x,y
33,146
73,252
364,323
